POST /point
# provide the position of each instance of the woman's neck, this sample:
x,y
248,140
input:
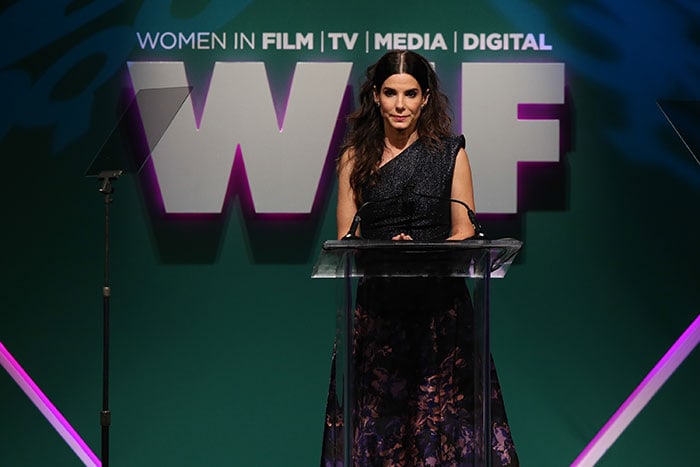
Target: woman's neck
x,y
400,139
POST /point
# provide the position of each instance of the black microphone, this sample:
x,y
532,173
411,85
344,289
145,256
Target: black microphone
x,y
358,214
409,189
356,223
478,230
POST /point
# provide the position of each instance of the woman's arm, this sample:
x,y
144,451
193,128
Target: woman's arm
x,y
462,190
346,209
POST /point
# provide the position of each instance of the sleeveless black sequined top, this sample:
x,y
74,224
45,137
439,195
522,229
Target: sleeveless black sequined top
x,y
411,193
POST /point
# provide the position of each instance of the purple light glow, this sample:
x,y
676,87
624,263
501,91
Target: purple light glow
x,y
634,404
541,111
60,424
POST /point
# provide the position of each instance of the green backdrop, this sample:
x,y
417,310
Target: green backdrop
x,y
221,345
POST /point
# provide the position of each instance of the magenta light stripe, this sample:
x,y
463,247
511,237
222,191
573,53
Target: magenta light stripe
x,y
49,411
634,404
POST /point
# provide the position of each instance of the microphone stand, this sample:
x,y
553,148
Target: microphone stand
x,y
106,177
148,115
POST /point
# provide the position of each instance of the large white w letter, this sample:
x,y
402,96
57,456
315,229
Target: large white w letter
x,y
193,165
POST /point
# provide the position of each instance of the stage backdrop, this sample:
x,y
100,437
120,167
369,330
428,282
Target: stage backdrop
x,y
221,342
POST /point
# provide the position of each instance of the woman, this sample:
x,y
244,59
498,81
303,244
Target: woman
x,y
413,337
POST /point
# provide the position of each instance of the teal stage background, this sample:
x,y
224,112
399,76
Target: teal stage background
x,y
221,342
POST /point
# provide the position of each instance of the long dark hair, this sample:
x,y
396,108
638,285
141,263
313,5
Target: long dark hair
x,y
365,140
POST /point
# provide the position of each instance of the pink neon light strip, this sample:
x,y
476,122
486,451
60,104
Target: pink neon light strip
x,y
634,404
49,411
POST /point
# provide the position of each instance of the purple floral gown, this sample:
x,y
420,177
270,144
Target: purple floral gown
x,y
413,338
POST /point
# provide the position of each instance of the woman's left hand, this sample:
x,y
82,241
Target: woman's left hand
x,y
401,236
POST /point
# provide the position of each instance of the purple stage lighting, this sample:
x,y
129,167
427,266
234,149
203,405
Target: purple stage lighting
x,y
641,396
60,424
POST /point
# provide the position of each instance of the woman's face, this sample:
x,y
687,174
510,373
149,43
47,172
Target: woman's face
x,y
400,101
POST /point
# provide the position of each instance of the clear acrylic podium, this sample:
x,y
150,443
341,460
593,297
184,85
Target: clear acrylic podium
x,y
478,259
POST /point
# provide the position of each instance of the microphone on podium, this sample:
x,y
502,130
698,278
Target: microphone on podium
x,y
355,223
351,235
409,189
478,229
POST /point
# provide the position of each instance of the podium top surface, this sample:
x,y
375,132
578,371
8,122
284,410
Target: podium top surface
x,y
388,258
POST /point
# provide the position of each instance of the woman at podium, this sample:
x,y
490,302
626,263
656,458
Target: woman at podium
x,y
400,166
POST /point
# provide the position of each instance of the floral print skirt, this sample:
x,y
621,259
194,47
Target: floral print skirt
x,y
412,356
